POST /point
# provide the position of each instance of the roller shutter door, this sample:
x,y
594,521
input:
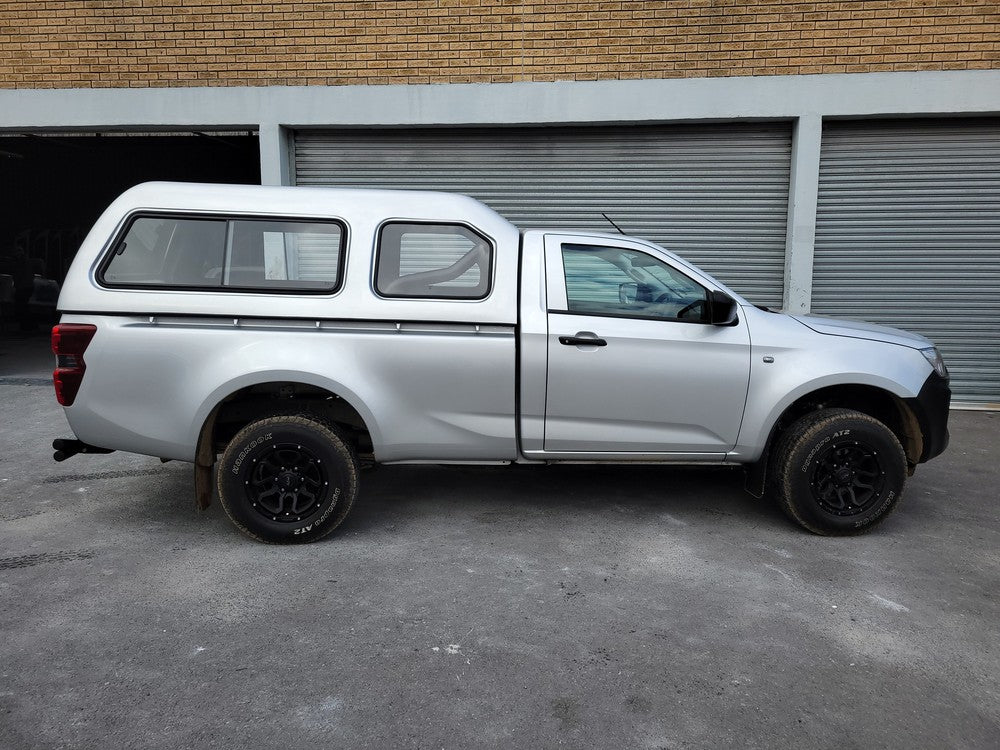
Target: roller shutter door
x,y
715,194
908,234
317,256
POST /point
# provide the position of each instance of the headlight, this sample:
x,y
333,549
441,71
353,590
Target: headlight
x,y
934,357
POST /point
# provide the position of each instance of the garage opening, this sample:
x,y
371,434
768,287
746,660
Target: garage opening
x,y
57,184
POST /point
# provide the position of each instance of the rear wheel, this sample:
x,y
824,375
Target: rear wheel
x,y
839,472
287,479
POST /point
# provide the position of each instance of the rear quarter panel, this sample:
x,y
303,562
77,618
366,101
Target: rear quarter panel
x,y
426,392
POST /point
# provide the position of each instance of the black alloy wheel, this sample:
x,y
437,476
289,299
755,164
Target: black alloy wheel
x,y
288,479
838,471
286,482
847,477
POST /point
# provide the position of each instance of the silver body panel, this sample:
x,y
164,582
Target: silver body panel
x,y
805,361
451,380
862,330
426,391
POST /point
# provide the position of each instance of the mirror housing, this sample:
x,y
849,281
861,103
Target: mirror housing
x,y
722,309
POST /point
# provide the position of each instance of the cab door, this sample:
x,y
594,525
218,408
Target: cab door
x,y
634,366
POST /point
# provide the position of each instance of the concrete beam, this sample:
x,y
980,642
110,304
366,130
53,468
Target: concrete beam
x,y
560,102
275,155
803,191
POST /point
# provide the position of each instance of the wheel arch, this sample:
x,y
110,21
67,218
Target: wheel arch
x,y
876,402
236,403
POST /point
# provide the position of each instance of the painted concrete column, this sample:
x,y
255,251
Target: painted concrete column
x,y
274,154
803,193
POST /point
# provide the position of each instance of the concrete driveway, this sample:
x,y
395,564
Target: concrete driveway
x,y
576,607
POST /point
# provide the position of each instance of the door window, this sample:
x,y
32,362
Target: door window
x,y
619,282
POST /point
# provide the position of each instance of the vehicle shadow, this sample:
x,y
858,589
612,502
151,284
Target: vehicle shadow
x,y
397,494
394,497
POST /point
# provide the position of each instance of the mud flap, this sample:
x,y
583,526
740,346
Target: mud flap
x,y
204,463
202,486
756,477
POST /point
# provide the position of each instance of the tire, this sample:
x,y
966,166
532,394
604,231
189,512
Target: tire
x,y
287,479
838,472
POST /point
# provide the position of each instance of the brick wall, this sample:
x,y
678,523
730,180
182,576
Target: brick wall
x,y
101,43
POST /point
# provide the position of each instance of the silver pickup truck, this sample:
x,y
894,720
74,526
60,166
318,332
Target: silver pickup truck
x,y
282,338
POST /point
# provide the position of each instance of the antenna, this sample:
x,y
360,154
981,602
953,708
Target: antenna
x,y
612,223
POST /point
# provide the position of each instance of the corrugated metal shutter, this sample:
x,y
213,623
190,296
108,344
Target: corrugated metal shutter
x,y
318,255
715,194
908,234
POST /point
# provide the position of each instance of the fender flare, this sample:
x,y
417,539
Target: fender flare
x,y
206,414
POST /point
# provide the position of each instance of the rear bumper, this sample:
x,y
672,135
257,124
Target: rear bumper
x,y
931,408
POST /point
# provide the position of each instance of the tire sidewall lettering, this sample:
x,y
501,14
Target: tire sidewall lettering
x,y
326,514
812,454
246,451
873,515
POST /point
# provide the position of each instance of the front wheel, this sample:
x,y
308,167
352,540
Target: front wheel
x,y
839,472
287,479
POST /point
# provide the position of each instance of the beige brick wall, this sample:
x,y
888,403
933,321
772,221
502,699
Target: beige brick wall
x,y
103,43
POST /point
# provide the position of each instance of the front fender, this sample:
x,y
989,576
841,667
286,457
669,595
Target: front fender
x,y
773,391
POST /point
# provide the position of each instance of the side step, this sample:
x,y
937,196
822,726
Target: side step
x,y
65,448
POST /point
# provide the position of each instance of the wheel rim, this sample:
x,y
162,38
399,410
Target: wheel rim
x,y
287,483
847,477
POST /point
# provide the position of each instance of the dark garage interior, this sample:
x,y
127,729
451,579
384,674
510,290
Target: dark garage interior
x,y
57,184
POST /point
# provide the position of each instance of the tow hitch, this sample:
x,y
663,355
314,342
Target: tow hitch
x,y
65,448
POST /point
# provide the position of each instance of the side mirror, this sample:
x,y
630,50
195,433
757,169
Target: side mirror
x,y
722,309
628,292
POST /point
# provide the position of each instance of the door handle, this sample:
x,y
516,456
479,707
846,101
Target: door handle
x,y
582,341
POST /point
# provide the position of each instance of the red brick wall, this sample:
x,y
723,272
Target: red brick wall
x,y
102,43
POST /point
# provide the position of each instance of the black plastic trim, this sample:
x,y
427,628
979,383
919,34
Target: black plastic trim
x,y
581,341
931,406
625,316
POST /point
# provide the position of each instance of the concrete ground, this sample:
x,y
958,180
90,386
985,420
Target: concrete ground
x,y
576,607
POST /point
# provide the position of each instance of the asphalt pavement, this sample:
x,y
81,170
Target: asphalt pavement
x,y
502,607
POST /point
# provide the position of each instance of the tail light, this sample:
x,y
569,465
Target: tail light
x,y
69,341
